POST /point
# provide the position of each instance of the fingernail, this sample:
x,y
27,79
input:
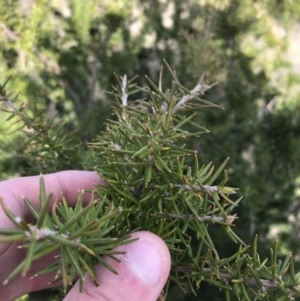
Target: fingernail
x,y
145,260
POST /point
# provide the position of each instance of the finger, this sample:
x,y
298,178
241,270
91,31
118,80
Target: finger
x,y
67,183
142,273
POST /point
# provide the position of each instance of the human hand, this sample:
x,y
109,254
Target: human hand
x,y
142,272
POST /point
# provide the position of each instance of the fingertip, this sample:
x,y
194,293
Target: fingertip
x,y
151,256
142,273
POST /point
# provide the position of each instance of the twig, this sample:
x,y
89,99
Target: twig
x,y
123,88
207,188
250,281
187,97
229,219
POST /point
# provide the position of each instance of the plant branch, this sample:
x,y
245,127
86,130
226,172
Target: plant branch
x,y
265,283
229,219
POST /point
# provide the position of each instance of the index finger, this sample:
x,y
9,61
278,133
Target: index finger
x,y
66,183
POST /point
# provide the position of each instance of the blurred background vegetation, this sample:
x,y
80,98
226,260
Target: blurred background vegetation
x,y
62,55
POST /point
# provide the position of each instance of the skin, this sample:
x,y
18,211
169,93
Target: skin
x,y
142,272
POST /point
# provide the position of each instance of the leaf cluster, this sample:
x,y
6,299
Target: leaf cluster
x,y
80,234
47,144
143,157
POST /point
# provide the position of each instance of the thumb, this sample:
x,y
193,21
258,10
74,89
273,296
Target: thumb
x,y
142,273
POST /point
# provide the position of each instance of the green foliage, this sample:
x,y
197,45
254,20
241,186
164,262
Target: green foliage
x,y
62,57
45,140
56,52
82,235
142,156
